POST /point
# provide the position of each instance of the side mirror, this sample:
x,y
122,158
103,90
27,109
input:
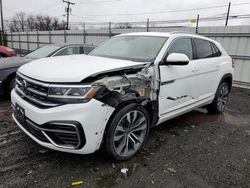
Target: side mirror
x,y
177,59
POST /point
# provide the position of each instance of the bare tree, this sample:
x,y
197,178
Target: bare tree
x,y
22,22
31,23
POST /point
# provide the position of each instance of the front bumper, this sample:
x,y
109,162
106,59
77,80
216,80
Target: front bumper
x,y
89,120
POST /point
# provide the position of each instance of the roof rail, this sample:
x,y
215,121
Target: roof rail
x,y
184,32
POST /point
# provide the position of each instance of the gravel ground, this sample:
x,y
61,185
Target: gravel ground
x,y
194,150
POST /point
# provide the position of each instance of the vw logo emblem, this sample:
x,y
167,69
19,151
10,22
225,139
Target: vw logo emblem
x,y
23,86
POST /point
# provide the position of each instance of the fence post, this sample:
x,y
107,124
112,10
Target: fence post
x,y
19,42
110,33
228,12
84,34
37,39
65,36
28,42
49,37
11,37
197,24
147,24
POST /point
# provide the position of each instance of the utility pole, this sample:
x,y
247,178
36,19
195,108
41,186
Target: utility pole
x,y
228,12
147,24
197,24
2,32
68,10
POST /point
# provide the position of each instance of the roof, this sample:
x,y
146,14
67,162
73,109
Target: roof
x,y
159,34
67,44
169,34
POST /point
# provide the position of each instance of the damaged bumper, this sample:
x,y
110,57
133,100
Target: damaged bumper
x,y
73,128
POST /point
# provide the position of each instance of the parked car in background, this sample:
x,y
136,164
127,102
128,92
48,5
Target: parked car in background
x,y
9,66
112,97
6,52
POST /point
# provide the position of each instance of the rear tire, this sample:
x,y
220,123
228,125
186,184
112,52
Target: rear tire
x,y
127,132
220,100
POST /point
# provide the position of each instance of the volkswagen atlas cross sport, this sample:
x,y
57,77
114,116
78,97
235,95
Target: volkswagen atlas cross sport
x,y
112,97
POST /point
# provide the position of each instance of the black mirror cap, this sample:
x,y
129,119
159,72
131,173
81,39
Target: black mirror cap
x,y
175,63
178,63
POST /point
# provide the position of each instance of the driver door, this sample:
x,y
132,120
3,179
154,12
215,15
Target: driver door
x,y
178,83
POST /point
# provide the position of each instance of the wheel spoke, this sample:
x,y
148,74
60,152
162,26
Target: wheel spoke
x,y
121,146
128,116
134,118
120,128
140,127
138,122
125,152
130,137
138,139
118,137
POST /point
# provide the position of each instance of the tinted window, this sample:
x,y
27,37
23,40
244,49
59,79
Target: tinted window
x,y
87,50
204,49
42,52
183,46
216,51
69,51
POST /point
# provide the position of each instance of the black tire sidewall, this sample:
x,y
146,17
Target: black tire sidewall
x,y
11,84
213,107
109,136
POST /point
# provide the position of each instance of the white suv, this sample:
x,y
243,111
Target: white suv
x,y
113,96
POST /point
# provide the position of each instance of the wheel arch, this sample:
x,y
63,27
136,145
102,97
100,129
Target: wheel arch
x,y
228,78
8,79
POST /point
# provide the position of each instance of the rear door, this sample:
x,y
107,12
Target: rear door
x,y
207,62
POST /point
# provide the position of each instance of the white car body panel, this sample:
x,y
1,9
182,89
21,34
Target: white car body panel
x,y
83,113
73,68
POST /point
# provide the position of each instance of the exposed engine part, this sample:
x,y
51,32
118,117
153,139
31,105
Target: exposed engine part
x,y
138,84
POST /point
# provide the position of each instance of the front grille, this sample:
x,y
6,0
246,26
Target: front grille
x,y
33,91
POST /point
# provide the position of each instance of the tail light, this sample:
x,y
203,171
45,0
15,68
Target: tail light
x,y
233,63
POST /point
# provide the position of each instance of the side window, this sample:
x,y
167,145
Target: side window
x,y
183,45
203,49
216,51
87,50
68,51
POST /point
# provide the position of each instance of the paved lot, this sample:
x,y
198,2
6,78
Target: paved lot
x,y
194,150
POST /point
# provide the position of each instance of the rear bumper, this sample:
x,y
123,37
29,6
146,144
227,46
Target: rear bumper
x,y
87,121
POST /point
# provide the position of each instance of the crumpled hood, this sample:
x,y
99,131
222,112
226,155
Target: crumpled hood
x,y
73,68
11,62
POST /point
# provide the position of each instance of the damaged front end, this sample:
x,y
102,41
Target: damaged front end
x,y
122,87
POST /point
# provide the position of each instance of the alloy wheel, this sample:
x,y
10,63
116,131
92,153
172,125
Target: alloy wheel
x,y
130,133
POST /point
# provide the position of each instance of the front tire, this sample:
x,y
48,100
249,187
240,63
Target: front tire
x,y
220,100
127,132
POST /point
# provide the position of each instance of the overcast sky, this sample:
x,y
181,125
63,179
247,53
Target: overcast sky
x,y
126,10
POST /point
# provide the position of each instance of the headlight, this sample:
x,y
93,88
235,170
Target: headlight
x,y
74,94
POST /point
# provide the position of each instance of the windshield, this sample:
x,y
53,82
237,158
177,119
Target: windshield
x,y
135,48
42,52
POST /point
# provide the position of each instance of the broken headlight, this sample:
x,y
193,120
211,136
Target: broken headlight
x,y
71,94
